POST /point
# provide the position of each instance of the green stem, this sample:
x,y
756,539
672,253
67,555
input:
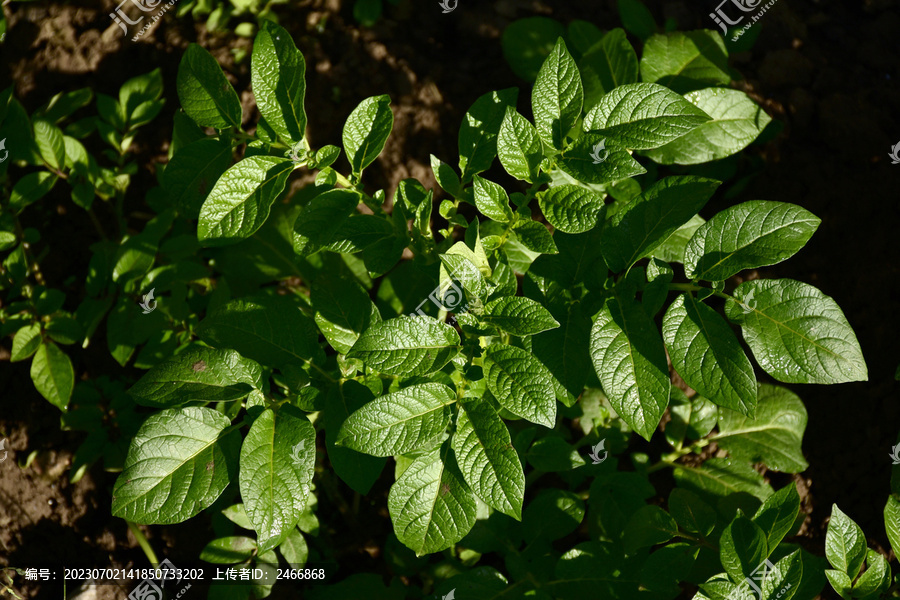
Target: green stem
x,y
685,287
661,464
144,544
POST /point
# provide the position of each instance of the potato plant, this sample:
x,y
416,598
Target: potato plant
x,y
306,336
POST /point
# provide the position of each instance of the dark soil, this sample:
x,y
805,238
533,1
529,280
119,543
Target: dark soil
x,y
828,70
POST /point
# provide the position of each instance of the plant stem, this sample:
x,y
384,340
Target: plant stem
x,y
144,544
685,287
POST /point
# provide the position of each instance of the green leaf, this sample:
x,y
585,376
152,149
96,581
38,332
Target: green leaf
x,y
53,375
270,330
554,454
672,250
319,221
557,96
366,131
487,459
228,550
519,146
7,240
777,514
685,61
134,258
630,360
535,237
407,346
527,43
201,374
583,35
746,236
413,418
239,203
193,172
571,208
606,65
840,582
742,548
278,458
736,121
565,350
578,160
374,238
518,316
783,582
459,267
479,129
138,91
578,261
708,356
774,437
179,462
691,513
892,521
325,156
637,18
26,342
61,105
593,570
551,515
294,549
721,477
521,384
652,217
50,143
344,310
659,276
31,188
446,177
205,94
641,116
845,543
691,419
492,200
797,333
358,470
876,579
237,515
430,505
649,526
278,76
